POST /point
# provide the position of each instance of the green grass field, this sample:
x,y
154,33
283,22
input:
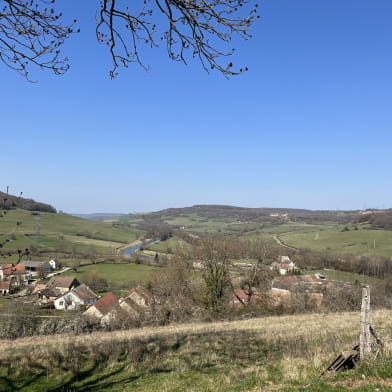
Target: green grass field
x,y
333,240
212,226
62,234
168,246
118,275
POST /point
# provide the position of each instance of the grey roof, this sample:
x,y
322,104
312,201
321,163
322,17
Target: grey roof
x,y
35,264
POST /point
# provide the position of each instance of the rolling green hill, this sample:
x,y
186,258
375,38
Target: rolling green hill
x,y
337,232
342,239
62,235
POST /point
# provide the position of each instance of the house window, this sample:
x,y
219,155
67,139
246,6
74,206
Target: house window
x,y
61,303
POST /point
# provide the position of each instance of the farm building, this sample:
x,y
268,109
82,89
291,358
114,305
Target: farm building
x,y
34,268
284,266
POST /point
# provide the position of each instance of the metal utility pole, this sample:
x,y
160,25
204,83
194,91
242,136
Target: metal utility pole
x,y
364,338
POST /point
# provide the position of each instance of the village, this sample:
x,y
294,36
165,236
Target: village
x,y
41,285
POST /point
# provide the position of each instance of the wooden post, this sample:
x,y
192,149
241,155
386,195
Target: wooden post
x,y
364,339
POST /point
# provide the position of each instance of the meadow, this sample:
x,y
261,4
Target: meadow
x,y
281,353
363,241
117,275
169,246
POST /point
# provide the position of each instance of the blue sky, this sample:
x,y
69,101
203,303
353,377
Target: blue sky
x,y
309,125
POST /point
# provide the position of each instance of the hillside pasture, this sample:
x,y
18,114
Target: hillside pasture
x,y
117,275
61,234
363,241
168,246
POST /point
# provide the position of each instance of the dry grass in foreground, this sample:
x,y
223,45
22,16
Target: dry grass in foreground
x,y
274,353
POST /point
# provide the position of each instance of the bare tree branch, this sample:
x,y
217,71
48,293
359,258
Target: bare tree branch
x,y
31,34
198,27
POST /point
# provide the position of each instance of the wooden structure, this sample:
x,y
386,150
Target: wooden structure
x,y
364,337
349,359
345,361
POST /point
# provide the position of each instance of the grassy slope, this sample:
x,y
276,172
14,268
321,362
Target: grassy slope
x,y
168,246
270,354
58,233
117,275
333,240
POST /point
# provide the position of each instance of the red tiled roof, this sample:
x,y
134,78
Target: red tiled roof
x,y
13,269
107,303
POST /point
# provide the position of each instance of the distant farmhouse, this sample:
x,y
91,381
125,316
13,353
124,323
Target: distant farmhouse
x,y
284,266
35,268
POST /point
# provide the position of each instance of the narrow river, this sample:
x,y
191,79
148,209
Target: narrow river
x,y
133,249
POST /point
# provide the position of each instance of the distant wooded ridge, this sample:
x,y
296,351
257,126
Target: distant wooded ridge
x,y
9,202
377,218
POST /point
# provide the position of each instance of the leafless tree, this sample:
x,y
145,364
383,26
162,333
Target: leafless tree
x,y
31,32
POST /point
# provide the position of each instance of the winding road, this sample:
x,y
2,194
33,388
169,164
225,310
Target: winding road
x,y
281,243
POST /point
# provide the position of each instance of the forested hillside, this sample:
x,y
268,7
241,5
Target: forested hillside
x,y
9,202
